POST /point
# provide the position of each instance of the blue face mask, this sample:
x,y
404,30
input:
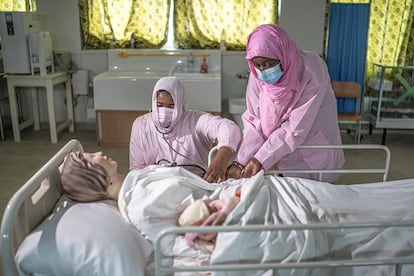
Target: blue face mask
x,y
270,75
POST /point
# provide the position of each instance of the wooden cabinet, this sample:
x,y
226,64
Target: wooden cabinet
x,y
114,126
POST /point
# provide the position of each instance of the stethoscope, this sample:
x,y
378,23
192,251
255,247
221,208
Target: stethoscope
x,y
165,162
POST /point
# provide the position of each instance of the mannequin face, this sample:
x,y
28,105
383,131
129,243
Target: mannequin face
x,y
111,166
164,99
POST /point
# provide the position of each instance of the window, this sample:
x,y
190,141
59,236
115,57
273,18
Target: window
x,y
105,20
196,24
18,5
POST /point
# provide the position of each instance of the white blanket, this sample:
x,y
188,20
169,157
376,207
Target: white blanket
x,y
153,198
275,200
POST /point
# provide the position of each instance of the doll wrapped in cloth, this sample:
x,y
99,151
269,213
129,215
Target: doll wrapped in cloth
x,y
204,212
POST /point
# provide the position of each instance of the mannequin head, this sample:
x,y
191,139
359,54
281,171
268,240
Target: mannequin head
x,y
86,176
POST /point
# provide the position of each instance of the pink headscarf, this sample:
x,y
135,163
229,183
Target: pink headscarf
x,y
271,41
176,88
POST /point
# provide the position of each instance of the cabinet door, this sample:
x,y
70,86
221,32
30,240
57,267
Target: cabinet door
x,y
114,127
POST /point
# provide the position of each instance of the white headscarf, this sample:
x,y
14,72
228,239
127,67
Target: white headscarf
x,y
176,88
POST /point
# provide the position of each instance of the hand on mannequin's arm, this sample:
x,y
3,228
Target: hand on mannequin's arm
x,y
252,168
216,172
237,170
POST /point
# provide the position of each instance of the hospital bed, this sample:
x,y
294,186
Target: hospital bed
x,y
45,233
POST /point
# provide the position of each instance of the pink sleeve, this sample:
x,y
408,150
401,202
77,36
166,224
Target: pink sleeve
x,y
136,149
252,132
292,133
224,131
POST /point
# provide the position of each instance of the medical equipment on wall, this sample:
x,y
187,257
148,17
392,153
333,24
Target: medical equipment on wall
x,y
25,48
63,61
41,53
80,83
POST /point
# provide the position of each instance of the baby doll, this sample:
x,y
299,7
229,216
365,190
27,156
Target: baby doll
x,y
204,213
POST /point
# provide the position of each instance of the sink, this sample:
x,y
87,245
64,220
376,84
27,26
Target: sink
x,y
202,90
125,90
196,75
129,80
132,90
128,74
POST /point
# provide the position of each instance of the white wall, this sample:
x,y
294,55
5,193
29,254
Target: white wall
x,y
303,19
62,19
232,86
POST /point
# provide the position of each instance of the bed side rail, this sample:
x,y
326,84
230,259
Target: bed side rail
x,y
165,269
30,204
384,169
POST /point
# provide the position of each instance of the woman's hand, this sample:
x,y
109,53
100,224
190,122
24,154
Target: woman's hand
x,y
252,168
216,172
235,170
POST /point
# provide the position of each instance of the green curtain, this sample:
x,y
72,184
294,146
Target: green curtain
x,y
18,5
198,24
203,23
351,1
103,20
391,34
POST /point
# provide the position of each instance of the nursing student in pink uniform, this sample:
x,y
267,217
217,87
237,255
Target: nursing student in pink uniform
x,y
171,135
290,103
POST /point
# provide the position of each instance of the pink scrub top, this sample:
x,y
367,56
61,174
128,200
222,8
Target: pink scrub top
x,y
186,141
300,109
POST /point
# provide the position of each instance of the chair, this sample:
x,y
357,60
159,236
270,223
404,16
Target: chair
x,y
348,101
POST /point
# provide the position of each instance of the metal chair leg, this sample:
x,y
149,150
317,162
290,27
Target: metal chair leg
x,y
358,132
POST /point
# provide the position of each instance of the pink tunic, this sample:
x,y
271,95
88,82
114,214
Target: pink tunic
x,y
300,109
188,139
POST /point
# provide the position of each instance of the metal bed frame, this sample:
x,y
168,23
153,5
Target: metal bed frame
x,y
379,170
36,198
165,269
30,205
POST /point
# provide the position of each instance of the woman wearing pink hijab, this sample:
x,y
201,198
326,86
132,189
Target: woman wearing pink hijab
x,y
174,136
290,103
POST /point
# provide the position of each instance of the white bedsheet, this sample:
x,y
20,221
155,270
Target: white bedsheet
x,y
276,200
152,200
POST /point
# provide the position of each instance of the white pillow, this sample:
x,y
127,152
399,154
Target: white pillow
x,y
84,239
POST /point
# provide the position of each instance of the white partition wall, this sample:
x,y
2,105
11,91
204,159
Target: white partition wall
x,y
304,20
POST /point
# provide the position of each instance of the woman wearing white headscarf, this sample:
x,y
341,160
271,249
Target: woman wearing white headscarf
x,y
172,135
290,103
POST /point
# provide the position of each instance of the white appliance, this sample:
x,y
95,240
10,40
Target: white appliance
x,y
41,53
14,30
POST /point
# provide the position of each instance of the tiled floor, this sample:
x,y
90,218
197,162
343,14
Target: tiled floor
x,y
20,160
